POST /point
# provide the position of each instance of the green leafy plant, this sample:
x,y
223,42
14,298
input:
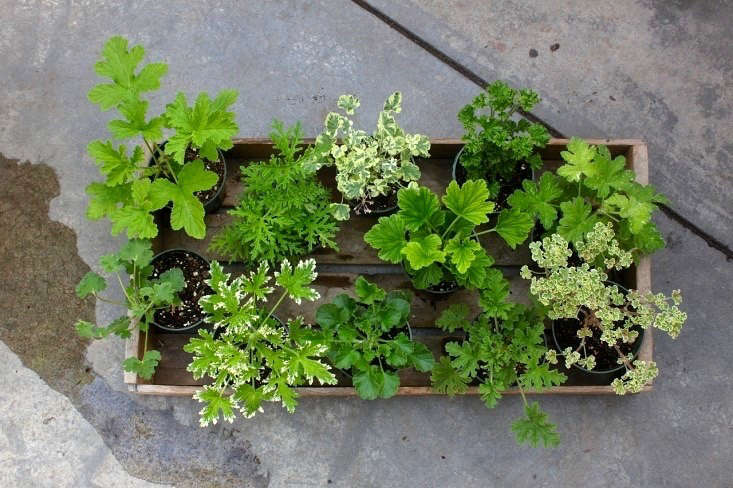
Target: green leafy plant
x,y
504,346
602,309
438,243
134,186
368,166
283,211
249,356
593,187
369,337
143,297
496,144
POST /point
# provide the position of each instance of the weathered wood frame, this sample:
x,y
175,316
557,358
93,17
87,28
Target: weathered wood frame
x,y
444,150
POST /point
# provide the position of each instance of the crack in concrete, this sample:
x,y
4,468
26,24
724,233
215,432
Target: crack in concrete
x,y
481,82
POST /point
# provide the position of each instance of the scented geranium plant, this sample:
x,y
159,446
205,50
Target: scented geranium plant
x,y
369,338
497,145
143,296
436,239
369,166
607,316
150,175
250,356
590,187
283,211
503,347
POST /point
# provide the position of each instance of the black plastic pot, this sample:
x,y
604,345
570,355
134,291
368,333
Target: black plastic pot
x,y
437,293
454,169
378,212
213,204
195,326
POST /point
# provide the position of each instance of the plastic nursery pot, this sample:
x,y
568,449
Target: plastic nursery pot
x,y
381,206
187,317
442,289
213,202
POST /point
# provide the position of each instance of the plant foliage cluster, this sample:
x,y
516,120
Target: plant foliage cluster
x,y
283,211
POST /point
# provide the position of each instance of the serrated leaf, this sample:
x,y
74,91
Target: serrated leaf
x,y
454,317
576,219
421,358
296,280
490,393
249,398
608,174
419,207
424,251
104,200
144,367
135,124
427,277
578,159
637,213
393,312
393,103
464,357
367,292
534,428
447,380
469,201
115,163
330,315
174,278
514,226
340,211
462,252
388,237
348,103
91,283
475,276
493,295
537,199
138,251
216,403
540,376
374,383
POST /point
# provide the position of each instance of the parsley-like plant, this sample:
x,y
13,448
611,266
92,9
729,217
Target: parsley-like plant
x,y
604,311
438,242
368,166
143,297
593,187
133,189
503,347
496,144
369,338
250,356
283,211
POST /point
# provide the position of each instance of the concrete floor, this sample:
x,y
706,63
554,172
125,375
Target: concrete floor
x,y
656,70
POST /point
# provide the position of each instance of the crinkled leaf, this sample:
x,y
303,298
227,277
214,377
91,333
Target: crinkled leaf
x,y
446,379
374,383
421,358
454,317
89,284
469,201
388,237
115,163
534,428
216,403
578,160
367,292
340,211
424,251
104,200
576,219
537,199
514,226
144,367
419,207
297,280
426,277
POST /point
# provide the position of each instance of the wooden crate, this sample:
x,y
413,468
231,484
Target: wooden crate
x,y
339,269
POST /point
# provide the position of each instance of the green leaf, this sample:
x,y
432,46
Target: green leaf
x,y
110,263
514,226
576,219
427,277
608,174
136,216
465,357
375,383
104,200
120,327
537,199
216,403
114,163
174,278
330,315
367,292
422,252
578,158
394,312
393,103
296,281
493,295
535,428
348,103
462,252
447,380
454,317
144,367
134,112
249,398
340,211
490,393
421,358
388,237
138,251
90,284
540,376
636,212
345,358
304,363
476,274
469,201
419,207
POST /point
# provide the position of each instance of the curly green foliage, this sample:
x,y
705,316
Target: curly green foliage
x,y
250,356
435,238
582,292
284,209
495,143
143,297
504,346
592,186
368,165
369,338
127,197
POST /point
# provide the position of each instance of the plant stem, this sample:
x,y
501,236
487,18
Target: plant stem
x,y
282,297
107,300
493,229
449,227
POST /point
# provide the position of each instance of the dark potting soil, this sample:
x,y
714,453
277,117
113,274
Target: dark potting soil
x,y
217,167
606,357
506,186
195,271
378,204
444,287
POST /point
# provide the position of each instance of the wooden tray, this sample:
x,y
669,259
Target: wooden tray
x,y
338,271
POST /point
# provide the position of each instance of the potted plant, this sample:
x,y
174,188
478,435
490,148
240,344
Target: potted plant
x,y
499,149
283,211
369,338
503,347
438,243
145,296
187,171
601,320
370,168
590,187
250,356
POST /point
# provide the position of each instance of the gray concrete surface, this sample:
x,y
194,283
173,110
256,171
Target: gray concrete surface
x,y
291,60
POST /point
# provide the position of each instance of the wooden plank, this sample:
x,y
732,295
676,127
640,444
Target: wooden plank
x,y
172,379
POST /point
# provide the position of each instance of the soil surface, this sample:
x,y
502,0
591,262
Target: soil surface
x,y
606,357
195,271
443,287
506,186
217,167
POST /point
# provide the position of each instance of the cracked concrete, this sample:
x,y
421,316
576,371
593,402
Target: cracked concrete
x,y
291,60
